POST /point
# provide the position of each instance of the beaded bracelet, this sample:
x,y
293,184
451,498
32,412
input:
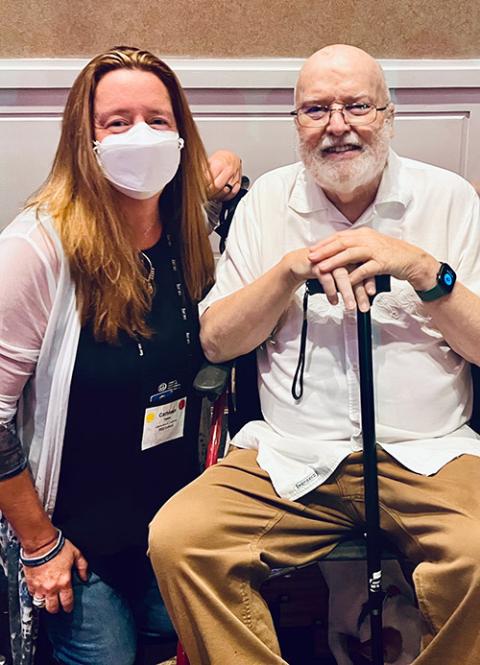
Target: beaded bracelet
x,y
34,561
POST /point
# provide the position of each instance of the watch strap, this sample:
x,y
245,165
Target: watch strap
x,y
431,294
446,278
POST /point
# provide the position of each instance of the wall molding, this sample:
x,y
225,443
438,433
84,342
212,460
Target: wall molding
x,y
271,73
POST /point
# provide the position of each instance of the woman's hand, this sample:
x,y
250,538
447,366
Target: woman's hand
x,y
53,580
225,175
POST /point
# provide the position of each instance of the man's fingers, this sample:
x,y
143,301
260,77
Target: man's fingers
x,y
329,286
361,297
344,286
326,249
337,243
366,273
370,286
347,238
348,257
355,288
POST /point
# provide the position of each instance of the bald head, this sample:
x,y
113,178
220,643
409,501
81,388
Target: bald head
x,y
346,149
338,71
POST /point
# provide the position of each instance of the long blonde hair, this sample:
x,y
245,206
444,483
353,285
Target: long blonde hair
x,y
105,267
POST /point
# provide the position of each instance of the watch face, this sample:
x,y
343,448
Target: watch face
x,y
446,278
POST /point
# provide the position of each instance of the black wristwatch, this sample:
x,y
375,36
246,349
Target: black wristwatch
x,y
446,278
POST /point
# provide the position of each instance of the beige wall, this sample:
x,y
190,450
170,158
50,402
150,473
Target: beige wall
x,y
240,28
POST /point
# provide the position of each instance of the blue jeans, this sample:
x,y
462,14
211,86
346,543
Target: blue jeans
x,y
103,627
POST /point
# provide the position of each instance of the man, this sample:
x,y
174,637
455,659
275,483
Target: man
x,y
293,484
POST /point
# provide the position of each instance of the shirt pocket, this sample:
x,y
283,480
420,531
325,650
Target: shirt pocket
x,y
402,312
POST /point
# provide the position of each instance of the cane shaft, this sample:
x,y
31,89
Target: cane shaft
x,y
372,514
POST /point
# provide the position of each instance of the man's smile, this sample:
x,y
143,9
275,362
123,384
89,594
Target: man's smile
x,y
346,149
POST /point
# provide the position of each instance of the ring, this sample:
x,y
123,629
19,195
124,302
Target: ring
x,y
39,601
228,186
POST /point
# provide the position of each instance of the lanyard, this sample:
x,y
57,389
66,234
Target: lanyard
x,y
180,288
297,385
182,300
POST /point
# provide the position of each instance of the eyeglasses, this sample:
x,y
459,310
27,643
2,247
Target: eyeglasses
x,y
316,115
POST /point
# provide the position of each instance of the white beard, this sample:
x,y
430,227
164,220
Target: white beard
x,y
346,176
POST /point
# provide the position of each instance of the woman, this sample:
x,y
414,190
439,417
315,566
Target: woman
x,y
99,279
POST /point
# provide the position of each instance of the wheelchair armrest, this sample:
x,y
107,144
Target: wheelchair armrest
x,y
212,380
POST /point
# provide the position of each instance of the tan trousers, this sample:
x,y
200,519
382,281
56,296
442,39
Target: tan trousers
x,y
213,543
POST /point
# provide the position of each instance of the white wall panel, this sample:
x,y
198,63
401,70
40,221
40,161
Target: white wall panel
x,y
27,149
439,138
263,143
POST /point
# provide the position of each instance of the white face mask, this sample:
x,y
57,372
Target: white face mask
x,y
140,161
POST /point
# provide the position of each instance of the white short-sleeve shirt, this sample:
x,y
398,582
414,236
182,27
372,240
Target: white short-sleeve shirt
x,y
423,388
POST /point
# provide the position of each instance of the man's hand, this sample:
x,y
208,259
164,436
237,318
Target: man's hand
x,y
53,580
225,175
361,254
301,267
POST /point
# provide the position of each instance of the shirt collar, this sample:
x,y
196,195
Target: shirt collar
x,y
306,196
391,200
393,196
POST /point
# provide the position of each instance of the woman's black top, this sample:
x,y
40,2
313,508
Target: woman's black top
x,y
109,488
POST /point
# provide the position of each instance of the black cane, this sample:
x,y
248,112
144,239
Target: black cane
x,y
370,476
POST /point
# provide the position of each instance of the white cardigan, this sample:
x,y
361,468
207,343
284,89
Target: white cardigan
x,y
39,333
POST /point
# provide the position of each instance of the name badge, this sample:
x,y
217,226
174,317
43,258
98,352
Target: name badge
x,y
163,423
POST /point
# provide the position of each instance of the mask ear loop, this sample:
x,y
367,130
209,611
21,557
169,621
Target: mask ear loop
x,y
297,385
